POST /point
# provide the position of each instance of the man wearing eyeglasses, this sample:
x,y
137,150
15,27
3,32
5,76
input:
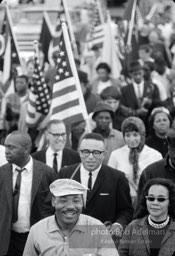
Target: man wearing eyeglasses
x,y
56,155
108,198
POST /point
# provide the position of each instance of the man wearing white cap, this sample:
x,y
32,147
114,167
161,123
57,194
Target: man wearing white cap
x,y
69,232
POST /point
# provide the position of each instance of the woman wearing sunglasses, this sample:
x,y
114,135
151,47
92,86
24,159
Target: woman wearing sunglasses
x,y
152,233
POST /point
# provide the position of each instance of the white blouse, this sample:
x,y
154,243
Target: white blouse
x,y
119,159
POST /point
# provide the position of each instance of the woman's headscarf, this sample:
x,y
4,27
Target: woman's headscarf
x,y
134,124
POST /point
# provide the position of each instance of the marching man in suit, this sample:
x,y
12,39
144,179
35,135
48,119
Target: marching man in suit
x,y
56,155
108,198
24,185
139,96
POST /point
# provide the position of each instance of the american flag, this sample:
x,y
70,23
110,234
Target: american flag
x,y
9,56
96,31
67,99
63,14
58,29
39,97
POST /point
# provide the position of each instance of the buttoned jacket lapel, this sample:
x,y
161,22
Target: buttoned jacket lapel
x,y
37,177
8,185
98,182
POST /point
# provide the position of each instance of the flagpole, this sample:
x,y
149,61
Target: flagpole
x,y
152,11
13,35
131,24
74,71
100,12
72,36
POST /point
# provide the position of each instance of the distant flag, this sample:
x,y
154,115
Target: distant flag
x,y
39,96
131,31
46,35
110,51
96,30
9,54
67,98
63,14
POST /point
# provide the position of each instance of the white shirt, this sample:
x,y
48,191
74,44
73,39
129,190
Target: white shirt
x,y
2,155
138,88
84,176
103,85
23,223
119,159
162,83
50,157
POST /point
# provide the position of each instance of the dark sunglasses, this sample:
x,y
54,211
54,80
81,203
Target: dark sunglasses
x,y
159,199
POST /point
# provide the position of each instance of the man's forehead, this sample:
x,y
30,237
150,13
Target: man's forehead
x,y
104,113
59,126
92,143
69,196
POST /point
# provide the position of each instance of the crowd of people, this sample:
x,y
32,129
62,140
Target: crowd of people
x,y
108,191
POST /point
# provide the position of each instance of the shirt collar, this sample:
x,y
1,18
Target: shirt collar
x,y
135,84
28,166
51,152
94,172
53,226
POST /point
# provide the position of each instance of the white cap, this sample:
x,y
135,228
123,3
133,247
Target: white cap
x,y
63,187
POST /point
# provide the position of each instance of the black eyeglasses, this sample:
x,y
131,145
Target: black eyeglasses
x,y
159,199
57,134
95,153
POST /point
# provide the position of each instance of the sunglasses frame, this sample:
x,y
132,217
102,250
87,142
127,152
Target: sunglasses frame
x,y
159,199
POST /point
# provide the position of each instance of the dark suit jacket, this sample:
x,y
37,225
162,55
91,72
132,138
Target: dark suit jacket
x,y
69,156
110,198
43,176
131,102
129,98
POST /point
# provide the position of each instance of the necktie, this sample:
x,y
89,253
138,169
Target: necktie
x,y
55,164
16,194
89,184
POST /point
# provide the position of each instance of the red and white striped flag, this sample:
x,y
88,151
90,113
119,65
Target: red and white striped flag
x,y
67,98
39,97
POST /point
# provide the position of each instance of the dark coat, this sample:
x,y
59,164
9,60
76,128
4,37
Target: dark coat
x,y
135,241
42,178
69,157
157,143
159,169
130,100
110,198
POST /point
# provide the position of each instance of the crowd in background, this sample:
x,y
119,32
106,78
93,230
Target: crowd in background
x,y
133,113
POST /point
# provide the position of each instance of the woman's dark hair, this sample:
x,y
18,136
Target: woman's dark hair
x,y
110,92
142,208
130,128
152,117
104,66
